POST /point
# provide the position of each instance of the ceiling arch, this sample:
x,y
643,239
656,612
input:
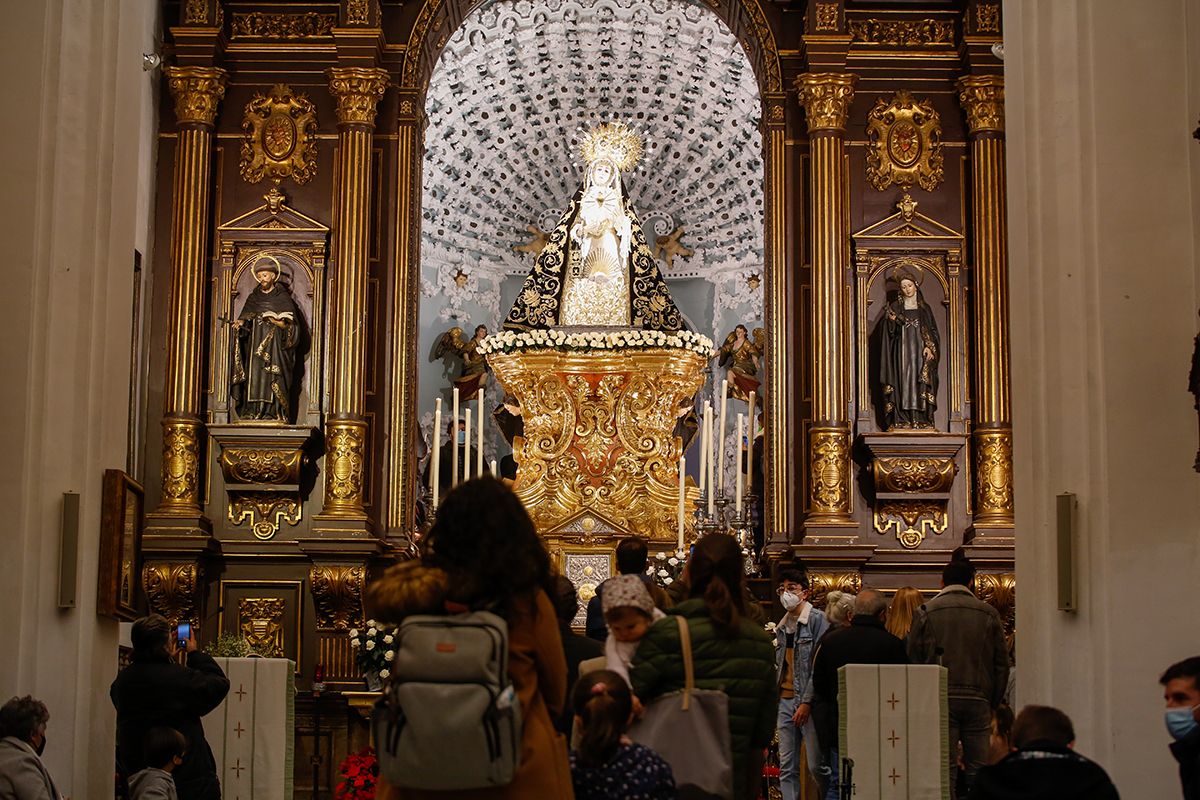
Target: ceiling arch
x,y
518,79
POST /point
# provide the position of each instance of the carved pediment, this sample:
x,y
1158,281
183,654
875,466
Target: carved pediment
x,y
908,227
586,527
273,221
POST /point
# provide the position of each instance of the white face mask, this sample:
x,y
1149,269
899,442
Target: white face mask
x,y
789,600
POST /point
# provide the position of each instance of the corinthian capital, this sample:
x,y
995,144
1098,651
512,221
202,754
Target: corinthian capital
x,y
826,97
982,97
357,91
197,92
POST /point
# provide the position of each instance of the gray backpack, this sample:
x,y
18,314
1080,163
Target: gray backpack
x,y
449,718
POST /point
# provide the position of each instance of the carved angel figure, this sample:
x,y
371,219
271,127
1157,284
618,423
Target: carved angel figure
x,y
742,355
474,365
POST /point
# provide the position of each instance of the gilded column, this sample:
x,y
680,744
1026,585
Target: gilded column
x,y
357,91
826,97
402,462
982,97
197,92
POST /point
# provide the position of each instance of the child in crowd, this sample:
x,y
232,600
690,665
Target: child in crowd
x,y
606,765
629,612
164,752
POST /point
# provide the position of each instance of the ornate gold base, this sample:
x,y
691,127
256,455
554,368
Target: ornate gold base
x,y
600,433
993,477
345,458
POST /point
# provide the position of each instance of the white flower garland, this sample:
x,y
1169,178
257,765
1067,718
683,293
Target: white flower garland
x,y
628,339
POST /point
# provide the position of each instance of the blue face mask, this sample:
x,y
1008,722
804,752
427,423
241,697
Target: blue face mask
x,y
1180,722
462,437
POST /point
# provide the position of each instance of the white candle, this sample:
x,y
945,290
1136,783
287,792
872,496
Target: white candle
x,y
479,450
721,439
737,477
708,477
467,448
454,439
682,487
435,472
705,454
495,472
752,425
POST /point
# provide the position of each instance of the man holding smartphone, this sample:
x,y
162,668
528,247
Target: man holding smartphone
x,y
156,691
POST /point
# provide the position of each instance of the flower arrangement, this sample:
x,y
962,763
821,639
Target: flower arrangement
x,y
230,645
667,567
625,339
360,771
373,647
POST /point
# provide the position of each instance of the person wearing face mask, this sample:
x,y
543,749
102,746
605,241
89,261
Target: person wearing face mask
x,y
1181,690
796,635
23,776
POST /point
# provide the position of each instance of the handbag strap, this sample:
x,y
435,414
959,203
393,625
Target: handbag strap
x,y
689,675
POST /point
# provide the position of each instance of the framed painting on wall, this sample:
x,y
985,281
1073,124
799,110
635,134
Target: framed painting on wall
x,y
122,518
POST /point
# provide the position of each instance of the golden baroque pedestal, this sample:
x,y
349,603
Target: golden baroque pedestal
x,y
600,431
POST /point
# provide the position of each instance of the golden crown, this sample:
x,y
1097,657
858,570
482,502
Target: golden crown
x,y
614,141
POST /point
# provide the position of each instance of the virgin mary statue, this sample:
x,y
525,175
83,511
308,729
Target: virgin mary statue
x,y
596,269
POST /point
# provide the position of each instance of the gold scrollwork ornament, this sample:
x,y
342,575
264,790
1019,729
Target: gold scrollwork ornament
x,y
982,97
337,594
197,92
345,445
993,469
304,25
917,475
181,462
999,590
279,137
822,583
912,520
172,589
902,32
358,91
829,456
261,465
904,143
265,511
826,97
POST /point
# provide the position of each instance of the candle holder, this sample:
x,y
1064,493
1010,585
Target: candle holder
x,y
430,511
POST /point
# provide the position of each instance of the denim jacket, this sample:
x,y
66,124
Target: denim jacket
x,y
810,627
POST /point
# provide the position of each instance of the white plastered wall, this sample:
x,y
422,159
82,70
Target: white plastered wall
x,y
77,155
1104,191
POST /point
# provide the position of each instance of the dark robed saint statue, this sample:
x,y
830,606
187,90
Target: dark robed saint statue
x,y
596,268
910,353
266,334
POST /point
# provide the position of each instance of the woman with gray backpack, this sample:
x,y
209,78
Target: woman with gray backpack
x,y
479,671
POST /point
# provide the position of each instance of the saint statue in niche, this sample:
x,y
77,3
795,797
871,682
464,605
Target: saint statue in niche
x,y
743,358
265,338
596,269
909,354
474,364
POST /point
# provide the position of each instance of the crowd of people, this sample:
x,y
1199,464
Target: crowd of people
x,y
645,648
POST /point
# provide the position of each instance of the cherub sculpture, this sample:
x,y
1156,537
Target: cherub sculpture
x,y
742,355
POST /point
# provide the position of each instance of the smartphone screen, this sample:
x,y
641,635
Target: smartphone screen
x,y
184,633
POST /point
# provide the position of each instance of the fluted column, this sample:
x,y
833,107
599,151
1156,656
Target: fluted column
x,y
826,98
357,91
982,98
197,92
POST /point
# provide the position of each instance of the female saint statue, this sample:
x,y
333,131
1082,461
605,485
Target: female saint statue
x,y
910,353
596,268
265,336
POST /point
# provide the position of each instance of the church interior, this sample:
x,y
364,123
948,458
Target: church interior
x,y
867,284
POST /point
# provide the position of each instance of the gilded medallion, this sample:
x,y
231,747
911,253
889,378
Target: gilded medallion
x,y
904,143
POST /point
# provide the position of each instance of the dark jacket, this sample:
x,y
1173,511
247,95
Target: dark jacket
x,y
577,649
1187,753
1043,771
742,665
968,637
154,691
863,641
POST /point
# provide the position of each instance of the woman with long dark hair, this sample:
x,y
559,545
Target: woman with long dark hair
x,y
730,653
484,553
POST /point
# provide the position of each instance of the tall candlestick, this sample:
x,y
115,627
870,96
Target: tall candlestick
x,y
435,471
721,438
753,426
682,486
467,448
737,476
708,451
479,450
454,438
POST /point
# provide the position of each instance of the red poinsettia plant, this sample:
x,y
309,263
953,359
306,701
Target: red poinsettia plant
x,y
360,771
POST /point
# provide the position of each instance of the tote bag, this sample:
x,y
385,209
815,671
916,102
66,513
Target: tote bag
x,y
690,730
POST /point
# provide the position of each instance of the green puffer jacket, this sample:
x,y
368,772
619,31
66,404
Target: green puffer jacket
x,y
742,666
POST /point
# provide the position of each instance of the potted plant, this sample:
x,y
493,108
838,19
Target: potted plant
x,y
373,652
360,772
